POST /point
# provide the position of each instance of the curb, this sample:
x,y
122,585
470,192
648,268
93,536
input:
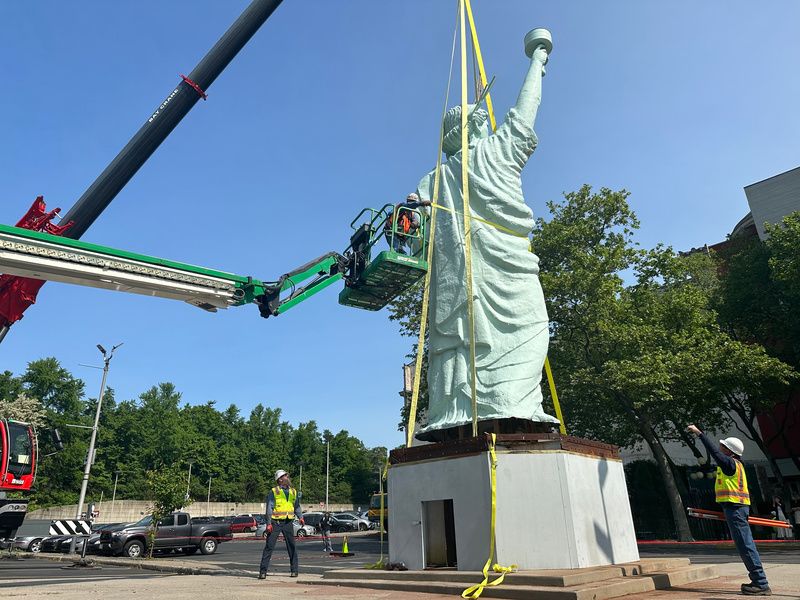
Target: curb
x,y
149,565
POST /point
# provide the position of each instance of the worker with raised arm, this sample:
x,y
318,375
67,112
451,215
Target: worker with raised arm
x,y
407,218
732,494
282,506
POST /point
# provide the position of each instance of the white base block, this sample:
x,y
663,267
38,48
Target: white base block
x,y
555,510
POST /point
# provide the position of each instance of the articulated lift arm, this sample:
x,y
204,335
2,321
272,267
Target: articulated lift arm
x,y
369,283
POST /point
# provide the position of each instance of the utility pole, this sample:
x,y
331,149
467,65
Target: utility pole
x,y
107,356
189,479
114,494
300,492
208,498
327,473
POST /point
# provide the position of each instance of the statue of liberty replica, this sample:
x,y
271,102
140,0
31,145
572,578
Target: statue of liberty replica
x,y
510,319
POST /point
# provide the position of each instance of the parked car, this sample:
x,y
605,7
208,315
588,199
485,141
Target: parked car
x,y
358,523
313,519
341,523
175,532
53,543
242,524
299,530
29,543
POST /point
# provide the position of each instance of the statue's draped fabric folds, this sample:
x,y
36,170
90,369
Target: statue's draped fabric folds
x,y
511,326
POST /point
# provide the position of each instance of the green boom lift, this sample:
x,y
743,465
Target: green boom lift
x,y
372,278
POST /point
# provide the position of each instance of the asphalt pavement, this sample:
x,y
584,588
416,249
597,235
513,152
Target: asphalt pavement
x,y
244,553
30,573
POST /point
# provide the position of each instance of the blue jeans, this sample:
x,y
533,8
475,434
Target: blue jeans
x,y
736,516
397,243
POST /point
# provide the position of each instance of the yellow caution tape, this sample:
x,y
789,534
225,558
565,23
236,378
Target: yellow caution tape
x,y
476,590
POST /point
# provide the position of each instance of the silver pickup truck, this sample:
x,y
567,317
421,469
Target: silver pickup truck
x,y
175,532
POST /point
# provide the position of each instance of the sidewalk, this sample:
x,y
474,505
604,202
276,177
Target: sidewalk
x,y
240,584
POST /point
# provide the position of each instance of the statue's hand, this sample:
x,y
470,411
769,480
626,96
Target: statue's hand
x,y
540,55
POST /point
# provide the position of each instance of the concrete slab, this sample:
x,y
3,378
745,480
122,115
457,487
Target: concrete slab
x,y
577,584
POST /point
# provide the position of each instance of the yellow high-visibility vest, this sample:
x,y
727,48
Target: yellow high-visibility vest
x,y
284,509
732,488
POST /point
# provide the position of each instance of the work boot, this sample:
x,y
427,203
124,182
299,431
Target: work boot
x,y
751,589
294,574
262,575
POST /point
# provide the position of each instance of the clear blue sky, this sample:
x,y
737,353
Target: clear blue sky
x,y
334,106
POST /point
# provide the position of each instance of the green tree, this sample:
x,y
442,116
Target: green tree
x,y
642,360
23,408
167,494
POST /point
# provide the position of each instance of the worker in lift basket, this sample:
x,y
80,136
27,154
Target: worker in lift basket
x,y
732,494
282,506
407,222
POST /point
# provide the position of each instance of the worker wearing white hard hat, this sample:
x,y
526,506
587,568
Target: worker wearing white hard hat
x,y
282,507
402,224
732,494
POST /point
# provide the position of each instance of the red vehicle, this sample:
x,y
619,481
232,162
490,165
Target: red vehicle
x,y
243,524
18,456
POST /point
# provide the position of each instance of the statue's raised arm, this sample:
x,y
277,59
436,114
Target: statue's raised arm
x,y
538,45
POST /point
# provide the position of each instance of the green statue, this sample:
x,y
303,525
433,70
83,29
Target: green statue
x,y
511,325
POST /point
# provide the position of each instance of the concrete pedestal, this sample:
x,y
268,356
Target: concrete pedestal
x,y
562,503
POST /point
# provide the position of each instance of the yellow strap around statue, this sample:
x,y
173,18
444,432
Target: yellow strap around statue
x,y
467,224
476,590
485,221
476,45
423,321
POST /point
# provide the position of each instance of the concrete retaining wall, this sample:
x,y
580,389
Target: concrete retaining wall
x,y
123,511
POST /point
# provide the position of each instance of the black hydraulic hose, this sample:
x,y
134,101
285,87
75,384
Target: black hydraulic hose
x,y
165,118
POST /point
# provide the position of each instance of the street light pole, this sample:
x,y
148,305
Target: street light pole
x,y
107,356
327,473
208,498
90,456
300,493
114,494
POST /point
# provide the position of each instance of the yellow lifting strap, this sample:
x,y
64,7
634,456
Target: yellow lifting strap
x,y
476,590
423,322
562,427
381,488
467,223
490,109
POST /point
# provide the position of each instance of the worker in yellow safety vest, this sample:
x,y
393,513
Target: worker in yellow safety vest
x,y
282,507
732,494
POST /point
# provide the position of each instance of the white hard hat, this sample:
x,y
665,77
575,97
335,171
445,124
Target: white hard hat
x,y
412,196
733,444
280,473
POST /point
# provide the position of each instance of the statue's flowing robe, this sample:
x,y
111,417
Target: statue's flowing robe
x,y
511,328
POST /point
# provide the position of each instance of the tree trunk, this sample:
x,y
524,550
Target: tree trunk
x,y
670,484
